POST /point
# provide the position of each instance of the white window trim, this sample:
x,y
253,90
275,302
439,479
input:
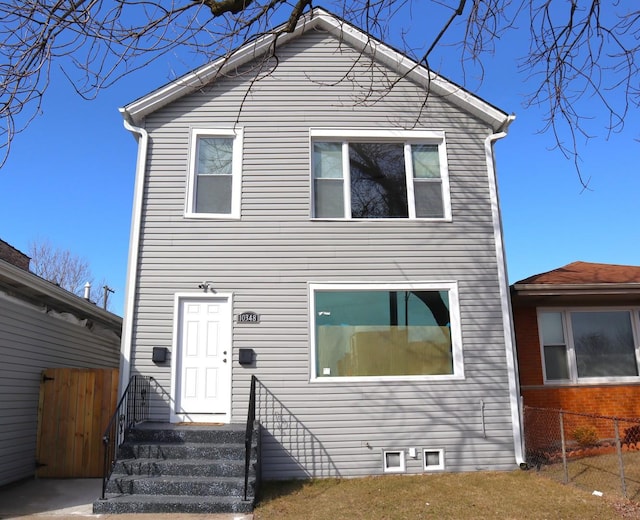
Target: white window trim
x,y
236,172
454,318
400,469
408,138
574,380
439,467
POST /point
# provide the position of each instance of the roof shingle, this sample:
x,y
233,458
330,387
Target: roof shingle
x,y
586,273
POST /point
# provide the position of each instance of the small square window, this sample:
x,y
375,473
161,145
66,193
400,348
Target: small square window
x,y
393,461
433,459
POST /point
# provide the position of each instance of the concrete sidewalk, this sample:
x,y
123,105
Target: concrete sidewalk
x,y
69,499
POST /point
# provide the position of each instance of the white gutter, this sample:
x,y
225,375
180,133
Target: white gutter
x,y
509,336
142,137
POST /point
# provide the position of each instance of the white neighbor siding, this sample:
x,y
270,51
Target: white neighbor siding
x,y
268,257
31,341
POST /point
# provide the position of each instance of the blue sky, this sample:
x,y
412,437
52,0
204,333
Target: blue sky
x,y
69,178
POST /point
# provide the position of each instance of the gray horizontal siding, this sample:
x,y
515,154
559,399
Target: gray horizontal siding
x,y
31,341
267,258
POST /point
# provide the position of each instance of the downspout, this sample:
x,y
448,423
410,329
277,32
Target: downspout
x,y
142,136
505,298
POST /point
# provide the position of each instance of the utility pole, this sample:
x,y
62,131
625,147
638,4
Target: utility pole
x,y
107,290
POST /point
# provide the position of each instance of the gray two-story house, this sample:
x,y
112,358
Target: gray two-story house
x,y
322,212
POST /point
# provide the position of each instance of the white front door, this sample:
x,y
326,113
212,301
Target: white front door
x,y
202,388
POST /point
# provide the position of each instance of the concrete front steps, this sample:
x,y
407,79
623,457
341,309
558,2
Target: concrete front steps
x,y
165,468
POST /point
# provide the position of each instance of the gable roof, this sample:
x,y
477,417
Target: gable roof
x,y
582,282
317,19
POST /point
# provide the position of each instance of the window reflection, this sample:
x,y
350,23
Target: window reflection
x,y
378,180
383,333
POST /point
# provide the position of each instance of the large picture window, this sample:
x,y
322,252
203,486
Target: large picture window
x,y
588,345
379,175
214,174
365,330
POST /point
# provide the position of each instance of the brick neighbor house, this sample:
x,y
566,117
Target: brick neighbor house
x,y
578,339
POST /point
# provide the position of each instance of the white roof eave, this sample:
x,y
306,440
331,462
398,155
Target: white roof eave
x,y
25,282
136,111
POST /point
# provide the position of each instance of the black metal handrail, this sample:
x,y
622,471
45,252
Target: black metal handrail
x,y
132,408
248,436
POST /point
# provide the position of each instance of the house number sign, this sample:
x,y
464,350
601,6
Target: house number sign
x,y
249,317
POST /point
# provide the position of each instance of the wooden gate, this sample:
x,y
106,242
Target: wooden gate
x,y
75,407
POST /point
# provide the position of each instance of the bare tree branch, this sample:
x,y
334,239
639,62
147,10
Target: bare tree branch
x,y
582,56
578,56
63,268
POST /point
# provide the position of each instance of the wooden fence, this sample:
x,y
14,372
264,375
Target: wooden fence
x,y
75,407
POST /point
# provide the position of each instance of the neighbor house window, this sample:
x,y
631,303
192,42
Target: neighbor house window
x,y
214,174
385,331
379,174
588,345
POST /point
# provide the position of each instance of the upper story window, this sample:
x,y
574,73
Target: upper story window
x,y
589,345
215,173
379,174
385,331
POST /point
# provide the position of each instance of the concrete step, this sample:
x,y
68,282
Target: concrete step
x,y
155,432
179,486
164,468
187,450
118,504
186,467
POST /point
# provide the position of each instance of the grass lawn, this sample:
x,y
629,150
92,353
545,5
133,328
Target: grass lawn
x,y
491,495
601,472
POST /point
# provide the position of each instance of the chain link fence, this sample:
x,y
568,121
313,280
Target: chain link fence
x,y
597,453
